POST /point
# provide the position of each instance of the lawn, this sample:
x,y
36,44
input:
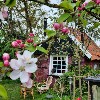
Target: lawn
x,y
13,90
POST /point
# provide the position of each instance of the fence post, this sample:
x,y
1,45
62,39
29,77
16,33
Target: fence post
x,y
89,97
74,87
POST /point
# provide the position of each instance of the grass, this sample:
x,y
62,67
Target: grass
x,y
13,90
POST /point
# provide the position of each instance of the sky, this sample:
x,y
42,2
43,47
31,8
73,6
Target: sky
x,y
46,8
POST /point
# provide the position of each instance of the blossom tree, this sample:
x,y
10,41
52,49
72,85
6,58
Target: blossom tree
x,y
85,14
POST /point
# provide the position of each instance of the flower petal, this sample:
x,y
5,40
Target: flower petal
x,y
14,64
27,54
33,60
24,77
28,84
30,68
1,16
15,74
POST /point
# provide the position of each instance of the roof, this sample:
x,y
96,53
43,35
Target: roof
x,y
90,45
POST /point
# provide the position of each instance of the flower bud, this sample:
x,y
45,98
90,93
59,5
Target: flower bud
x,y
65,30
56,26
6,63
80,8
15,44
79,15
35,44
97,1
19,41
29,40
5,56
78,98
31,35
22,45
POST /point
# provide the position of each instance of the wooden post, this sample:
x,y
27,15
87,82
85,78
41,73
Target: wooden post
x,y
74,87
80,78
89,90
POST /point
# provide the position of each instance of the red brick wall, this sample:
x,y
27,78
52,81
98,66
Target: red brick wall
x,y
43,67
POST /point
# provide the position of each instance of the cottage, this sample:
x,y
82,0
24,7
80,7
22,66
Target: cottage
x,y
61,54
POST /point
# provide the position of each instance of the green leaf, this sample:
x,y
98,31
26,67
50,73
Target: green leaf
x,y
31,48
96,25
3,92
67,5
10,3
84,22
69,19
77,3
42,49
83,14
63,36
36,39
7,2
50,33
63,17
1,64
89,5
94,10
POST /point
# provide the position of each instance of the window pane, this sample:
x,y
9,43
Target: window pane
x,y
63,58
54,66
59,62
58,67
63,71
54,62
63,67
59,58
54,58
58,71
63,63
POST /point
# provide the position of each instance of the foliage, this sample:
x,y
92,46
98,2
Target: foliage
x,y
3,93
14,92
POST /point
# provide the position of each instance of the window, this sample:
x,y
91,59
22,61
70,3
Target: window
x,y
58,65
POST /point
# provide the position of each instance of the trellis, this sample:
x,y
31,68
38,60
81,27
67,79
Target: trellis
x,y
80,86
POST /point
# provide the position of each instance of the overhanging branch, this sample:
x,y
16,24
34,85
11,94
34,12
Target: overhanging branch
x,y
57,6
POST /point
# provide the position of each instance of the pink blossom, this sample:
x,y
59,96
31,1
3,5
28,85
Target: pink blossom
x,y
31,35
61,25
16,53
19,41
56,26
79,15
35,44
23,66
80,8
5,56
6,63
28,84
15,44
29,40
5,14
65,30
22,45
85,3
97,1
78,98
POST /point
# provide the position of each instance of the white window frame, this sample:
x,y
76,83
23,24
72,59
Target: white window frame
x,y
51,64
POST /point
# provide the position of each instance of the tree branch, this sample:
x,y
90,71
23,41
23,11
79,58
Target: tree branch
x,y
47,4
27,15
57,6
93,14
